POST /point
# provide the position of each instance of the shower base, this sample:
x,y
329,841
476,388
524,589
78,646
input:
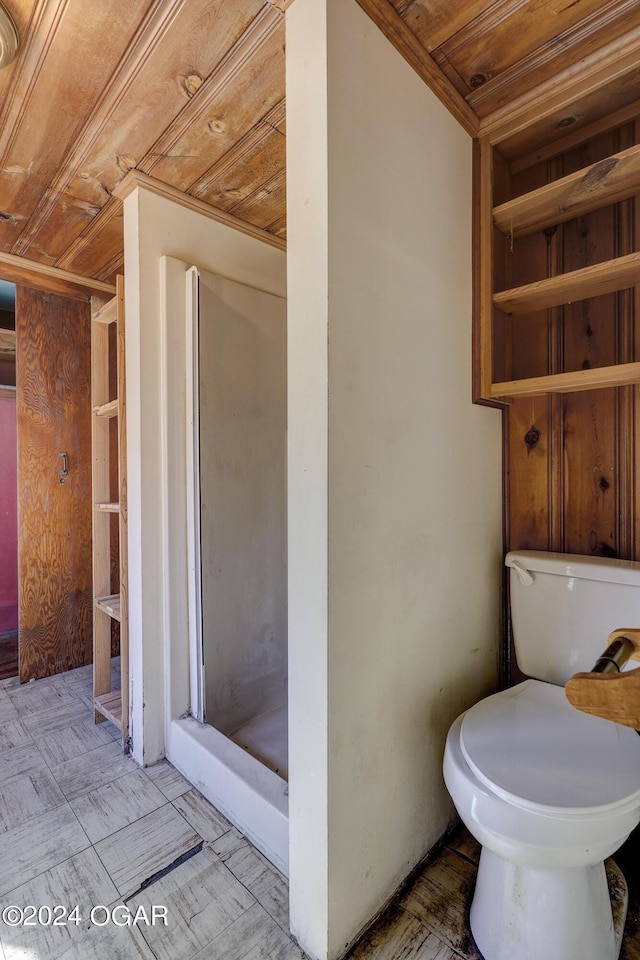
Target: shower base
x,y
244,789
265,738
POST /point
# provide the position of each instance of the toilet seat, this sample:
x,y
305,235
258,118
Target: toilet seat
x,y
530,747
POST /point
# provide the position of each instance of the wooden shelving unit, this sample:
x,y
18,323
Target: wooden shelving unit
x,y
609,181
108,606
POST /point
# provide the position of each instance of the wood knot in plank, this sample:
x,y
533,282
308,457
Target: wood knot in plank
x,y
192,83
599,173
531,437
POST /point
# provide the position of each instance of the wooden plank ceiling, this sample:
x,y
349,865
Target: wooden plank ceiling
x,y
192,92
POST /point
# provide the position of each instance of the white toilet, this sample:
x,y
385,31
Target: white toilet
x,y
548,791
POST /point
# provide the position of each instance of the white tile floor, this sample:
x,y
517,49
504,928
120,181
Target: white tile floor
x,y
81,824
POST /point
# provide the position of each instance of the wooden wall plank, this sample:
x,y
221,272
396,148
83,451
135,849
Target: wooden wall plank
x,y
531,258
529,443
54,414
590,418
571,460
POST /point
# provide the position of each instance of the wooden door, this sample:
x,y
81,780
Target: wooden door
x,y
54,518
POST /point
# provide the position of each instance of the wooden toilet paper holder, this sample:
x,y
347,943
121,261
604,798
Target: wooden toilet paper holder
x,y
611,695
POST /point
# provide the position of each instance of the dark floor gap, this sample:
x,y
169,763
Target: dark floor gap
x,y
165,870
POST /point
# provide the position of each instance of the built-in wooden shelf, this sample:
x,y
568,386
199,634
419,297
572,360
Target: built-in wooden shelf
x,y
608,181
109,409
109,605
108,352
593,379
107,313
110,706
593,281
602,184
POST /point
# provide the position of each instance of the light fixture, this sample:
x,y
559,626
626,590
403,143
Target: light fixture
x,y
8,37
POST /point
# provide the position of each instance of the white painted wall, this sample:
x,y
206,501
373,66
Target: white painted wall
x,y
156,228
394,476
243,415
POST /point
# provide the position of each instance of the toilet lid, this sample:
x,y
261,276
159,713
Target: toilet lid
x,y
531,747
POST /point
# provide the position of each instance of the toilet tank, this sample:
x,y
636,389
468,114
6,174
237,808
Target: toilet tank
x,y
564,606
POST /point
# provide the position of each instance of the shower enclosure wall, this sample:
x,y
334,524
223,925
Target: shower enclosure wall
x,y
233,746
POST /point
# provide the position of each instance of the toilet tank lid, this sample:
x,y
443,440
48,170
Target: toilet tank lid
x,y
575,565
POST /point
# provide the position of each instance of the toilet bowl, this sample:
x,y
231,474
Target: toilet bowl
x,y
545,826
549,793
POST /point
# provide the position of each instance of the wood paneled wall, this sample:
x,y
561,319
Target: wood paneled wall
x,y
571,460
54,414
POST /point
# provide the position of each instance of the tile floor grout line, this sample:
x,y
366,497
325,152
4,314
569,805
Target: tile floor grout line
x,y
3,896
92,788
459,853
249,891
127,825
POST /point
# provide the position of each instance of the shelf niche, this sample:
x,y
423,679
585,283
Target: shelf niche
x,y
109,486
556,273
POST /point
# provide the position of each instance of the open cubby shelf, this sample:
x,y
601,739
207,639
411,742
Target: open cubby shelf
x,y
608,181
110,704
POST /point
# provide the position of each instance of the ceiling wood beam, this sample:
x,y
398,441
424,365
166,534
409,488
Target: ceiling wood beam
x,y
135,179
30,273
407,44
579,80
